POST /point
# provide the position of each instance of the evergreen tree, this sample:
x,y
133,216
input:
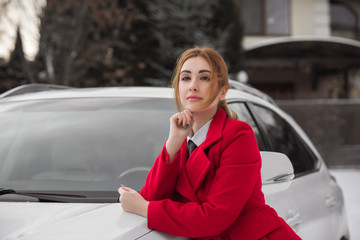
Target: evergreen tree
x,y
227,27
61,33
130,42
16,67
95,43
183,24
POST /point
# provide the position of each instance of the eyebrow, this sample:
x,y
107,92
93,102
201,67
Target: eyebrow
x,y
201,71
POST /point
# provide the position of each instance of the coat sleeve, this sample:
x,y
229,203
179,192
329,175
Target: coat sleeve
x,y
161,180
232,186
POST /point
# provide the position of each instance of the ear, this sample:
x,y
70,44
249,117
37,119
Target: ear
x,y
223,92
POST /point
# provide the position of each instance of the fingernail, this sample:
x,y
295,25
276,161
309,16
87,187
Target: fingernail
x,y
189,123
192,115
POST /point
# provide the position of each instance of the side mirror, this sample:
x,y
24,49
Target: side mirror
x,y
276,172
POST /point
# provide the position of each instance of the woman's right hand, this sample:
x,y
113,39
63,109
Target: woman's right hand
x,y
180,126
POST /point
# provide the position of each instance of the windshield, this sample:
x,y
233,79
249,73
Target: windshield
x,y
81,144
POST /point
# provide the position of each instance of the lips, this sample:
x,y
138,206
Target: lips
x,y
193,98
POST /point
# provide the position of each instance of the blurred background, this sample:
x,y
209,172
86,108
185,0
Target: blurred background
x,y
303,53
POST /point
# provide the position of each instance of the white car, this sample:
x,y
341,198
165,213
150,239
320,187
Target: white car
x,y
65,151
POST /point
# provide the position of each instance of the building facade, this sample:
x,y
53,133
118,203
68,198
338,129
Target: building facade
x,y
302,49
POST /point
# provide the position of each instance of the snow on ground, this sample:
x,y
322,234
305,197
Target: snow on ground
x,y
349,181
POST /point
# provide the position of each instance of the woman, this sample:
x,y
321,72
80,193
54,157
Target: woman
x,y
215,191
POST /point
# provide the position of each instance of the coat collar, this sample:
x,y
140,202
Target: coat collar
x,y
216,129
198,164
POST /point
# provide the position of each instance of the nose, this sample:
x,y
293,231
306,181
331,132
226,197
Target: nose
x,y
193,85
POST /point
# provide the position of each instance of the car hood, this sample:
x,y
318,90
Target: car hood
x,y
68,221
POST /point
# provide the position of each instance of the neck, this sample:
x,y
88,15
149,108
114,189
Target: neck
x,y
201,118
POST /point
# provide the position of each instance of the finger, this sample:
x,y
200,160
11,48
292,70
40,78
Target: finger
x,y
127,189
121,190
189,117
176,118
190,113
184,119
179,118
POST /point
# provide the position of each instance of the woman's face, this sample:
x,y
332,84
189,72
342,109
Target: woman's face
x,y
194,86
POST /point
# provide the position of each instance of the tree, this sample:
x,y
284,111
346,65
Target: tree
x,y
16,67
95,43
130,42
227,26
127,29
183,24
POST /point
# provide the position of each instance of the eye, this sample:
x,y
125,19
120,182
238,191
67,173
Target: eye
x,y
205,78
185,78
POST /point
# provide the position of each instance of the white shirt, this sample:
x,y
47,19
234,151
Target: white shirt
x,y
200,135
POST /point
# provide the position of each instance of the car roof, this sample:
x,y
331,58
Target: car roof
x,y
236,93
112,92
44,91
98,92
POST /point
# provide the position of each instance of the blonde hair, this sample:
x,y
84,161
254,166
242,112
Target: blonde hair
x,y
219,75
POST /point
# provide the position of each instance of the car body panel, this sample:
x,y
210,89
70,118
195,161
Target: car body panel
x,y
42,221
306,207
312,205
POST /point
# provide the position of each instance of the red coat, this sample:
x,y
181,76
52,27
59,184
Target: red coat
x,y
216,193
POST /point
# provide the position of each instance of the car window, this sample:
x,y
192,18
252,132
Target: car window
x,y
244,115
284,139
81,144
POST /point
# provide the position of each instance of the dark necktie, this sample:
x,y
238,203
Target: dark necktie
x,y
191,146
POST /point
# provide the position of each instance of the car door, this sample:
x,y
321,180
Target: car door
x,y
284,205
312,204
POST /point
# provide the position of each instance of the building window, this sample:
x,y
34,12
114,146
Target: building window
x,y
266,17
343,20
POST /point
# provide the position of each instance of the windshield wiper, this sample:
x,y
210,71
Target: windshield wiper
x,y
12,195
6,191
8,194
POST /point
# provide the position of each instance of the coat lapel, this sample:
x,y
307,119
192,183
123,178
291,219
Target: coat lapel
x,y
216,129
184,186
197,166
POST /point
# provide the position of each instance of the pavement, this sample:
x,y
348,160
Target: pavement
x,y
349,181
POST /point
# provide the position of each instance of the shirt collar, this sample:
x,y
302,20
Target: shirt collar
x,y
200,135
